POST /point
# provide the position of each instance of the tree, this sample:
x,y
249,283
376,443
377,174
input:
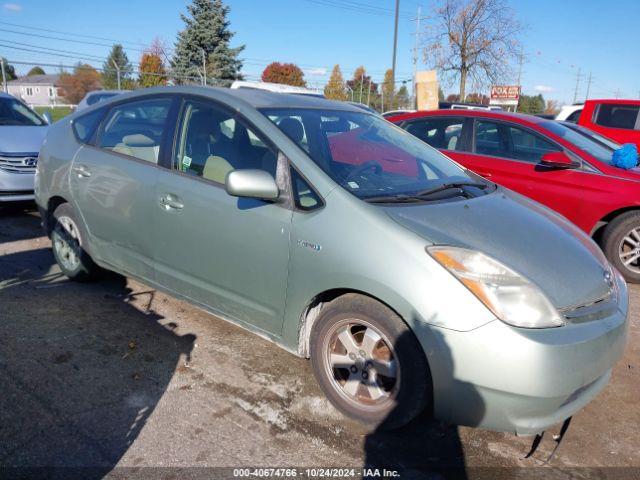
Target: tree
x,y
531,104
362,86
206,36
477,98
552,107
152,71
336,89
118,57
285,73
453,98
402,97
9,70
473,40
388,91
74,86
35,71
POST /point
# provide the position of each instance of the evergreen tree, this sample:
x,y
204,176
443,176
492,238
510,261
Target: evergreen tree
x,y
9,70
336,89
118,57
206,30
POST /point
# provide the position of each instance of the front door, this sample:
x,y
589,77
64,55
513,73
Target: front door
x,y
229,254
113,183
510,155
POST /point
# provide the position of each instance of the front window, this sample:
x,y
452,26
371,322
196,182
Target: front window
x,y
368,156
508,141
14,112
593,147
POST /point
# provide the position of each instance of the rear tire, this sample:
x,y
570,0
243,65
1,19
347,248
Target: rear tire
x,y
621,245
67,243
369,363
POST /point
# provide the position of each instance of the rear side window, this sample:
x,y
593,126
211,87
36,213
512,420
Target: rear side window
x,y
511,142
135,128
574,117
617,116
86,125
442,133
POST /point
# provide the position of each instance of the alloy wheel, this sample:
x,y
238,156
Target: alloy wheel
x,y
66,242
361,364
629,250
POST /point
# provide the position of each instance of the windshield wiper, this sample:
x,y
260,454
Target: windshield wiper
x,y
448,186
396,198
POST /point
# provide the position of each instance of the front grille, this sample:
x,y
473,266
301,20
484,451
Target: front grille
x,y
24,163
602,308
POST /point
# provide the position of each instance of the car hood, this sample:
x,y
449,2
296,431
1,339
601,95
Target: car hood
x,y
21,139
531,239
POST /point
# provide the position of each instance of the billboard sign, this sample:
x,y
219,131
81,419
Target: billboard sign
x,y
507,95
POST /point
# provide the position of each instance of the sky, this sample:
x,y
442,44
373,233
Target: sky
x,y
564,41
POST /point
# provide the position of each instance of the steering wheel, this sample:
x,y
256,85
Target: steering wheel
x,y
371,164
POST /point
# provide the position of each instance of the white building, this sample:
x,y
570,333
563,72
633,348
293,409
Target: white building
x,y
36,89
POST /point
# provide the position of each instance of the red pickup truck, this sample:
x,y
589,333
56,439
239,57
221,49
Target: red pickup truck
x,y
616,119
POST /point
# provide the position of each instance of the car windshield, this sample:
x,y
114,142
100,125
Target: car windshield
x,y
14,112
580,140
607,142
368,156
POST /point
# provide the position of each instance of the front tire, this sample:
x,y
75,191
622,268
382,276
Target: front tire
x,y
67,243
368,362
621,245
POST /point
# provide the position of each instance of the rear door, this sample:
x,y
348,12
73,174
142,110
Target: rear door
x,y
113,183
448,134
230,254
510,154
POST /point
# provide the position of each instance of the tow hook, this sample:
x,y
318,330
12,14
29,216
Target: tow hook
x,y
556,438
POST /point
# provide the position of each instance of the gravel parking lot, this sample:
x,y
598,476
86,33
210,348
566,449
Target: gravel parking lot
x,y
114,374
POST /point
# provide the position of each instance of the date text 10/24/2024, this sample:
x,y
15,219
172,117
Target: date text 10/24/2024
x,y
316,472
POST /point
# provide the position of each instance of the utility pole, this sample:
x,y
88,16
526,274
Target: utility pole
x,y
204,67
117,71
617,93
521,62
369,93
4,76
415,59
575,93
361,85
588,87
395,48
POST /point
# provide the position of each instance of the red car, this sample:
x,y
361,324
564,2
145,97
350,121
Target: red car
x,y
561,168
616,119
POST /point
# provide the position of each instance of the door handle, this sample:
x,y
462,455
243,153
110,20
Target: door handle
x,y
171,202
81,171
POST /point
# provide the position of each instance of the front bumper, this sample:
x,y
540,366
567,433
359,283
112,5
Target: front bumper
x,y
522,380
16,187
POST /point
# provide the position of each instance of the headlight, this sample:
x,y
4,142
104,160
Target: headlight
x,y
511,297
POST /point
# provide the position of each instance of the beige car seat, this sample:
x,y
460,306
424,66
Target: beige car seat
x,y
139,146
216,169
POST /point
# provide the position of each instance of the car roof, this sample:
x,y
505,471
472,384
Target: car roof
x,y
6,95
495,114
243,97
617,101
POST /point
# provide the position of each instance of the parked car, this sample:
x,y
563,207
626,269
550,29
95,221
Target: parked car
x,y
432,289
466,106
276,88
365,107
21,133
550,163
616,119
570,113
393,113
96,96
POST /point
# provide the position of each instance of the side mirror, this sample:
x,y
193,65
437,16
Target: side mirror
x,y
252,184
558,160
47,117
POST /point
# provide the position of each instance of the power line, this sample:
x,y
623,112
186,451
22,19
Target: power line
x,y
358,7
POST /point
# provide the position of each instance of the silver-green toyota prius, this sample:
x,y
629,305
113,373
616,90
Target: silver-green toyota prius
x,y
408,281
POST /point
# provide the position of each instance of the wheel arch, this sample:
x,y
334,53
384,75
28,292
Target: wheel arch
x,y
598,229
53,203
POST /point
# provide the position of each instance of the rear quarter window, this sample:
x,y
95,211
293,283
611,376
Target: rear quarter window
x,y
85,126
617,115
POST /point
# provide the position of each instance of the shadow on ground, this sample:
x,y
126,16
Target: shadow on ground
x,y
20,221
81,370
